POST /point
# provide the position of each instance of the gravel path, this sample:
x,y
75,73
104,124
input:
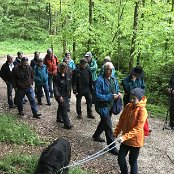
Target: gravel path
x,y
153,158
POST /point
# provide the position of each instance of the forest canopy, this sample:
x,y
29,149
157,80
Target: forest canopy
x,y
131,32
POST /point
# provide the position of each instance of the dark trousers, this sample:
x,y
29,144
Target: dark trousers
x,y
172,111
126,99
20,93
9,93
62,113
88,98
50,84
105,125
133,156
40,93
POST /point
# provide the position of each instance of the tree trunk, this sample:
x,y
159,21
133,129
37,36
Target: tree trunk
x,y
139,50
90,21
50,18
134,35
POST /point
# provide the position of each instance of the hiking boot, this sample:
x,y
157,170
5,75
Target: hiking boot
x,y
37,115
98,139
68,126
21,113
39,103
79,116
114,151
12,106
59,121
49,104
91,116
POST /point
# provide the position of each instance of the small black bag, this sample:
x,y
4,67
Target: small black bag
x,y
117,106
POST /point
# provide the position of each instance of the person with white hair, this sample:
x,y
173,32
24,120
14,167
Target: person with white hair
x,y
106,90
108,59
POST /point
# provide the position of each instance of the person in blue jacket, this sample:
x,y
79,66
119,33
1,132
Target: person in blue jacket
x,y
106,90
133,80
41,81
69,61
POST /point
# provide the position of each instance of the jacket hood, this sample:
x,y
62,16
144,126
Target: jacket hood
x,y
142,103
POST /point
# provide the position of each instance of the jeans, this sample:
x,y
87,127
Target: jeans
x,y
88,98
50,84
105,125
9,93
40,93
20,93
133,156
62,113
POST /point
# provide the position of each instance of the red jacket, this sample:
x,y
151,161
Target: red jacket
x,y
52,64
131,123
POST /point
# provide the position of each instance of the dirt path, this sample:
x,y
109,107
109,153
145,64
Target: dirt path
x,y
153,157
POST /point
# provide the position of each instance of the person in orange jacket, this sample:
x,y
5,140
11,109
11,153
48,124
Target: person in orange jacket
x,y
131,123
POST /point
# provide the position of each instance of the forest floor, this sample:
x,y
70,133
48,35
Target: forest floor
x,y
156,157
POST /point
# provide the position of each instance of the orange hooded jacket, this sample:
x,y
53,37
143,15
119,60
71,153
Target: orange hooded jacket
x,y
131,123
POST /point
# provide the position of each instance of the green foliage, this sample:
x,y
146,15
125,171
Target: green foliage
x,y
12,46
15,131
18,164
22,164
156,110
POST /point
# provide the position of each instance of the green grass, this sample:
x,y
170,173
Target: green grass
x,y
14,131
18,164
25,164
156,110
12,46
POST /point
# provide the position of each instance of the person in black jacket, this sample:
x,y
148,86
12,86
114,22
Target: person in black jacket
x,y
62,89
82,86
7,76
23,80
171,104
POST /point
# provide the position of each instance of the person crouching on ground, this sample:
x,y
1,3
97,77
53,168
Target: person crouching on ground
x,y
62,89
131,123
23,80
106,89
41,81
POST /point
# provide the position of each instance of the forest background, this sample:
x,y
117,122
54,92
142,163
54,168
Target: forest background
x,y
131,32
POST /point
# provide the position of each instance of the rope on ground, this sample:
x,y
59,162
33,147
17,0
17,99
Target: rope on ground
x,y
89,158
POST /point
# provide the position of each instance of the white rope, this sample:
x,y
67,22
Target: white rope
x,y
91,157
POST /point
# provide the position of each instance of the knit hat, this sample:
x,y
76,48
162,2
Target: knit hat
x,y
137,71
137,92
83,61
88,54
24,59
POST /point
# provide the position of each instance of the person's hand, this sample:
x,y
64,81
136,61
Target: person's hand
x,y
120,94
120,140
61,99
115,96
133,77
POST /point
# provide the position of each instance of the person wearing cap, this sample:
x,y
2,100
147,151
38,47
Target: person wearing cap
x,y
7,76
41,81
82,86
23,80
107,59
133,80
62,89
92,65
131,124
51,62
106,90
18,58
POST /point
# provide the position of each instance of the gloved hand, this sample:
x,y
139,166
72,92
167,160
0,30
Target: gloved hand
x,y
120,140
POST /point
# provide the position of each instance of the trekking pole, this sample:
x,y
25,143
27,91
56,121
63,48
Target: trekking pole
x,y
165,123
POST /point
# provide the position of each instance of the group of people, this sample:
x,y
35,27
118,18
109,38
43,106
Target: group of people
x,y
59,78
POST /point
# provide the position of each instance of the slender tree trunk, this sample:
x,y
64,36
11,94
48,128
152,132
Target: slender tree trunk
x,y
134,35
90,21
50,18
142,19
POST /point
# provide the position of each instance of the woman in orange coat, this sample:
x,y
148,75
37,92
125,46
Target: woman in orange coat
x,y
131,124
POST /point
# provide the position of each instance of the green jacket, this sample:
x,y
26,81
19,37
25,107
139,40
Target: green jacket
x,y
93,68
